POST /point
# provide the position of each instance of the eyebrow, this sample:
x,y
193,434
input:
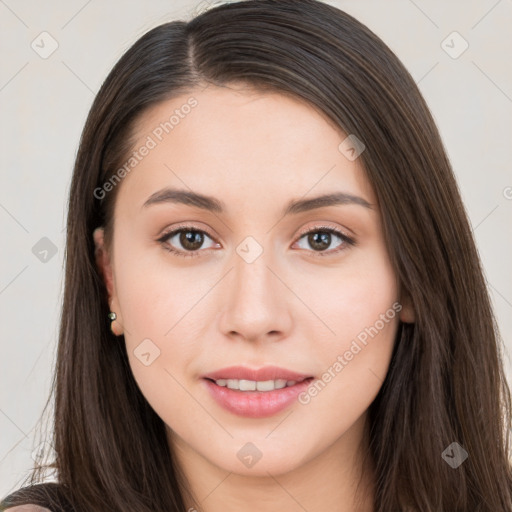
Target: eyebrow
x,y
209,203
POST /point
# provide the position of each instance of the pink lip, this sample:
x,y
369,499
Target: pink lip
x,y
256,404
261,374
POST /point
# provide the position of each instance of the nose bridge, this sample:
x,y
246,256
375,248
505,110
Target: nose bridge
x,y
256,305
253,280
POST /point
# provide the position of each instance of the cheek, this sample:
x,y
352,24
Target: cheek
x,y
356,298
156,297
364,313
155,302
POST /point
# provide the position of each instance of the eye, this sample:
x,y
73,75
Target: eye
x,y
189,238
320,238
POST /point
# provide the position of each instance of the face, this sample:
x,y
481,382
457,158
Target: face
x,y
255,286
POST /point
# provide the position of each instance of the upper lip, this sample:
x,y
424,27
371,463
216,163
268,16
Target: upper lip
x,y
258,374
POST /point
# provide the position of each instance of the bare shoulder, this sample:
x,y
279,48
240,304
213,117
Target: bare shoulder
x,y
27,508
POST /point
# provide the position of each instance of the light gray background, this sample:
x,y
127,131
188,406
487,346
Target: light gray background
x,y
44,103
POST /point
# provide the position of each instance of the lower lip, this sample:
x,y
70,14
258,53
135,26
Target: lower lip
x,y
256,404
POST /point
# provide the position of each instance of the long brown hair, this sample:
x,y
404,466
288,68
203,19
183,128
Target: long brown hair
x,y
445,383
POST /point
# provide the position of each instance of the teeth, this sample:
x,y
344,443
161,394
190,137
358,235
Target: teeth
x,y
280,383
265,385
252,385
232,384
247,385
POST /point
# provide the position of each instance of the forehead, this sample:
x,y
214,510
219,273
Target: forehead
x,y
241,142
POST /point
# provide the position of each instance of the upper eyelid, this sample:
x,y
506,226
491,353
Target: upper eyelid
x,y
302,232
172,231
311,229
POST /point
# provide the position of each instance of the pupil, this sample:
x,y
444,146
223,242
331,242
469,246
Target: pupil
x,y
191,240
320,240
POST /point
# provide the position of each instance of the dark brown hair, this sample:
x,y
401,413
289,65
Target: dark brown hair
x,y
445,383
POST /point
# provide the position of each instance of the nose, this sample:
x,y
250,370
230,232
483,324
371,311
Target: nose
x,y
255,301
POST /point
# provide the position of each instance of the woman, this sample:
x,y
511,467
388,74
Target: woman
x,y
273,300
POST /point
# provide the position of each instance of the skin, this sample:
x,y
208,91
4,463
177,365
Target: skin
x,y
290,307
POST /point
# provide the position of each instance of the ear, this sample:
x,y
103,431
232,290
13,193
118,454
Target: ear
x,y
104,264
103,260
407,312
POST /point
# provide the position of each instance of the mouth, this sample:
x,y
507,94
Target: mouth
x,y
255,385
256,393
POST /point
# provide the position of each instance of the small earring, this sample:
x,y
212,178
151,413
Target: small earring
x,y
114,328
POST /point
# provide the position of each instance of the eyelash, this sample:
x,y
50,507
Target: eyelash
x,y
347,241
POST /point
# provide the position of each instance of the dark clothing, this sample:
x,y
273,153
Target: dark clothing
x,y
49,495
